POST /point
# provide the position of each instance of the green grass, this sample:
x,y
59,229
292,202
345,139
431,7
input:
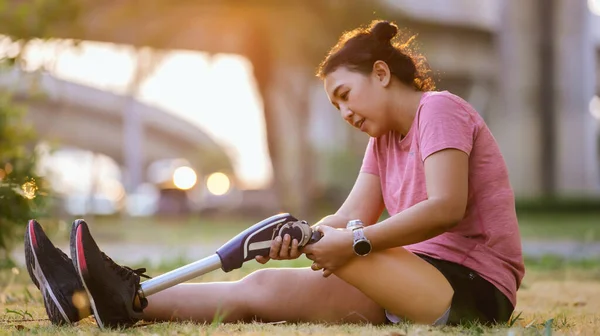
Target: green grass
x,y
564,305
583,227
169,231
554,263
556,294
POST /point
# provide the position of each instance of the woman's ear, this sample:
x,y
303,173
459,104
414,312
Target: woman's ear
x,y
382,73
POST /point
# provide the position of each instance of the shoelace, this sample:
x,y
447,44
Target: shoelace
x,y
124,271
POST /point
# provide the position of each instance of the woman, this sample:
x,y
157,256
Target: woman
x,y
449,253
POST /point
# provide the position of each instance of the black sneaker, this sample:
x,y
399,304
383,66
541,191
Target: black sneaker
x,y
52,271
112,289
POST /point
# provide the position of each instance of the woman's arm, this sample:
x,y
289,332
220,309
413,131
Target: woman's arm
x,y
364,202
446,175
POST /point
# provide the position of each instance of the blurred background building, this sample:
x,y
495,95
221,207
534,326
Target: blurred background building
x,y
169,108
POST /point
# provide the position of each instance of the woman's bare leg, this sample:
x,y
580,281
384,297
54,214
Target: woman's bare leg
x,y
269,295
402,283
395,279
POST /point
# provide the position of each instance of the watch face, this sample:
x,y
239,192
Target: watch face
x,y
362,247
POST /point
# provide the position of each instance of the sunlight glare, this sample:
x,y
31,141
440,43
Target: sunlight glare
x,y
218,184
212,93
184,178
594,6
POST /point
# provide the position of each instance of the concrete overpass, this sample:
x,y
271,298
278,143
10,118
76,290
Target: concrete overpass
x,y
84,117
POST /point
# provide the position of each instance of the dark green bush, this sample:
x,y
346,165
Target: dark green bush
x,y
22,191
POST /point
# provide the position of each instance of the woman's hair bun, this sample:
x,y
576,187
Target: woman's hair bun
x,y
384,30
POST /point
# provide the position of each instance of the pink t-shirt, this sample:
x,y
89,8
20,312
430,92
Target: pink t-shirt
x,y
487,239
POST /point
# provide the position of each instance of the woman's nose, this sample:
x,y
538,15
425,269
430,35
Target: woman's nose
x,y
347,114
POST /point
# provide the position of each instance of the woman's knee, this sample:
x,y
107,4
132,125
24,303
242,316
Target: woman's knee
x,y
263,286
262,293
259,279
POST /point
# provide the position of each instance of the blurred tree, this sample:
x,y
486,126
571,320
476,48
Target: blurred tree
x,y
299,35
23,194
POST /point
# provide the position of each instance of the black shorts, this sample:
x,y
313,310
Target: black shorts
x,y
475,299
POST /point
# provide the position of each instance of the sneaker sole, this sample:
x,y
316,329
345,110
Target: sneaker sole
x,y
50,301
75,249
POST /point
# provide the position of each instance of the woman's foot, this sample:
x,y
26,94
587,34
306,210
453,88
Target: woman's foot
x,y
112,289
52,271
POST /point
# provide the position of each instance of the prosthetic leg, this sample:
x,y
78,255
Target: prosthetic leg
x,y
252,242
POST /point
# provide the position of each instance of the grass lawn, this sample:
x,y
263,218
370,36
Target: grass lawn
x,y
565,300
195,230
169,231
563,226
558,295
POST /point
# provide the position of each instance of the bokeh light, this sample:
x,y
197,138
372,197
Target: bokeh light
x,y
81,302
218,184
184,178
595,107
29,189
113,190
594,6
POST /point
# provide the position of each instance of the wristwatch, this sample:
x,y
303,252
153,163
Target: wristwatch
x,y
361,246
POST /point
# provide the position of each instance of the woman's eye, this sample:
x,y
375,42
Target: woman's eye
x,y
344,95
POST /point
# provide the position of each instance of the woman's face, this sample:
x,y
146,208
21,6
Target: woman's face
x,y
359,98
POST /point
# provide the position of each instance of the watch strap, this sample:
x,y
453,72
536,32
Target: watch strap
x,y
355,223
358,234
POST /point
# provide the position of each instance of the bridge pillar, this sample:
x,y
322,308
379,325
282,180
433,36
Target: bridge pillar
x,y
577,131
133,133
517,125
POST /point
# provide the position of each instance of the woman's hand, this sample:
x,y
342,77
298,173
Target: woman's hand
x,y
287,249
281,249
332,251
